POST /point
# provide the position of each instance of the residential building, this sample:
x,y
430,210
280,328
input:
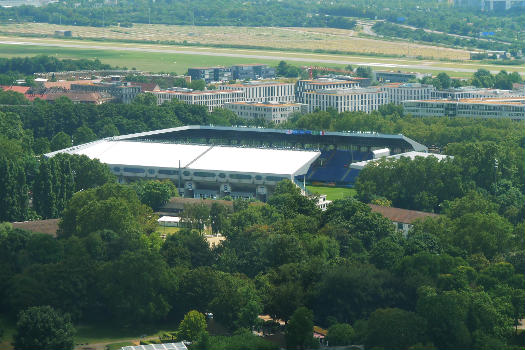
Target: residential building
x,y
399,92
303,86
95,98
264,91
402,219
122,92
346,100
512,108
209,98
252,71
211,74
273,112
397,77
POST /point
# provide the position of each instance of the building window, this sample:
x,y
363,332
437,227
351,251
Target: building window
x,y
240,176
134,170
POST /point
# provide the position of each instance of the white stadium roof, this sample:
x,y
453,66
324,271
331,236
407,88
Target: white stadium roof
x,y
165,346
196,157
411,155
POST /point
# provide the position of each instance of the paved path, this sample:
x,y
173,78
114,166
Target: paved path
x,y
424,65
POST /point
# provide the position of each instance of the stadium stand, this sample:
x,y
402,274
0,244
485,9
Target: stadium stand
x,y
240,162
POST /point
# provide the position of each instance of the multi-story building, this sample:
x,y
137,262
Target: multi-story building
x,y
397,92
474,92
210,74
397,77
346,100
303,86
210,98
122,92
252,71
273,112
264,91
512,108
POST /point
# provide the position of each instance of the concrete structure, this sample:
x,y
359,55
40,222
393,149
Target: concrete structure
x,y
474,92
122,92
398,92
346,100
303,86
264,91
512,108
252,71
211,74
273,112
202,171
402,219
397,77
210,98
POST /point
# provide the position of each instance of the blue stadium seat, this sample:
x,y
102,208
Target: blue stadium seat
x,y
336,166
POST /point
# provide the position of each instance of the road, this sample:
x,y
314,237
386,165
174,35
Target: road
x,y
304,57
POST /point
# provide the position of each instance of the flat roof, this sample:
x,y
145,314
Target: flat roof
x,y
197,92
196,157
254,160
254,84
162,155
261,104
519,101
412,155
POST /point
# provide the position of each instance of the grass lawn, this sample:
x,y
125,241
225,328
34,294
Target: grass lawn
x,y
332,193
117,346
9,329
111,333
167,230
168,58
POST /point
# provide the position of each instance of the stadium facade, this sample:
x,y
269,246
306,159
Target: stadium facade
x,y
240,162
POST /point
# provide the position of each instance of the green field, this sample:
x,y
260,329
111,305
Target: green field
x,y
168,58
332,193
147,61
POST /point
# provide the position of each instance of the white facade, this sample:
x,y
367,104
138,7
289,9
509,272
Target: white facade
x,y
346,100
264,91
274,112
397,93
473,92
211,98
512,108
303,86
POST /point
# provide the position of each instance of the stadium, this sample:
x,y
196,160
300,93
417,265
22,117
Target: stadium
x,y
241,162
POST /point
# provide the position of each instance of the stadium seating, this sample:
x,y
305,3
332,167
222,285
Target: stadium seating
x,y
334,166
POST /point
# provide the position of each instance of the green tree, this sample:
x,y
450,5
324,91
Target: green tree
x,y
196,215
83,134
340,334
60,141
444,80
364,72
394,328
192,327
110,206
135,287
218,217
155,193
14,199
299,329
43,328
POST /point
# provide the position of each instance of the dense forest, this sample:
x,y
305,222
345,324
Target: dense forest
x,y
427,14
455,281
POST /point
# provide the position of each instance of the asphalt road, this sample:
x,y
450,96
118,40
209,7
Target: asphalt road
x,y
425,65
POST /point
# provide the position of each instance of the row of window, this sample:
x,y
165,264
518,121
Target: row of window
x,y
198,174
